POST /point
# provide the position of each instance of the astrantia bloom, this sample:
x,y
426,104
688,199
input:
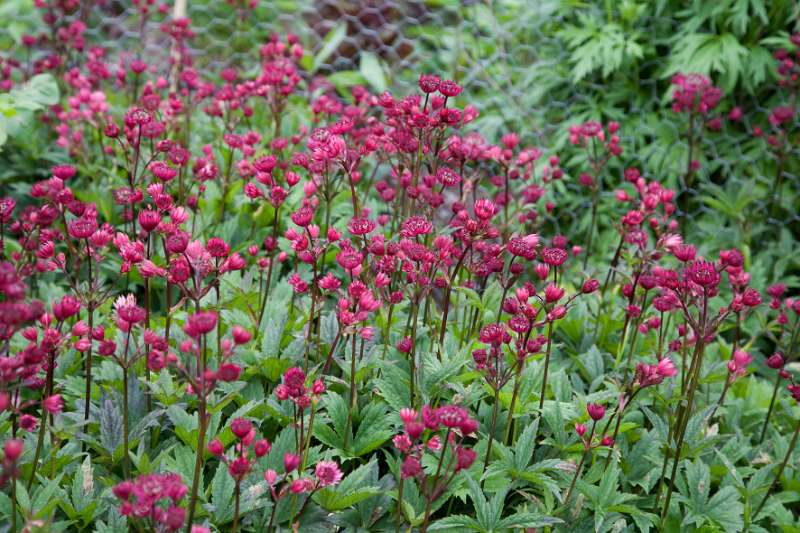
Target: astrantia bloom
x,y
361,226
447,177
200,323
524,247
704,274
327,473
128,311
554,256
82,228
596,411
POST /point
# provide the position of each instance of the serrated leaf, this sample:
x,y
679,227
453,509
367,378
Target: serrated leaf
x,y
459,521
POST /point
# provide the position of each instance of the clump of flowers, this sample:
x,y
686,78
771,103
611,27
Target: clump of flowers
x,y
440,432
153,501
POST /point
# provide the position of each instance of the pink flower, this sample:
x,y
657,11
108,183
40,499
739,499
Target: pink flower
x,y
241,335
411,467
241,427
328,473
54,404
215,447
596,411
666,368
200,323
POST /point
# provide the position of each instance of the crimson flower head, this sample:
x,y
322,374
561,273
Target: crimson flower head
x,y
524,247
229,372
704,274
429,83
484,209
66,307
82,228
149,219
327,473
464,458
215,447
303,216
776,290
596,411
684,252
553,293
775,361
554,256
492,334
737,366
239,467
411,467
751,297
590,286
64,172
200,323
449,88
12,450
54,404
290,462
241,427
648,375
447,177
361,226
241,335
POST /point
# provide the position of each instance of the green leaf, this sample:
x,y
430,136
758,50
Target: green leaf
x,y
353,489
373,430
222,486
372,71
332,40
458,521
38,92
528,520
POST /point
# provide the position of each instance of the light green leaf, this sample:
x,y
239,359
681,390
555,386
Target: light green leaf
x,y
372,71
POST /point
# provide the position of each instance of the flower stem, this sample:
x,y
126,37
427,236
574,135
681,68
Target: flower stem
x,y
775,481
432,495
586,449
683,419
43,421
125,459
771,407
236,494
201,433
492,427
399,504
517,381
353,397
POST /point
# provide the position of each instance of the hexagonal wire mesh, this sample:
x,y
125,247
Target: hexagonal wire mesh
x,y
515,67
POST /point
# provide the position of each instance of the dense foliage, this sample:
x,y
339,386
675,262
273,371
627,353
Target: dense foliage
x,y
261,298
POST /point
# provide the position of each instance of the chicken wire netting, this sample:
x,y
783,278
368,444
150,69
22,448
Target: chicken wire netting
x,y
514,66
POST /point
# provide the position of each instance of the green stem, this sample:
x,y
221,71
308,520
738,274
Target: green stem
x,y
775,481
580,464
353,396
236,496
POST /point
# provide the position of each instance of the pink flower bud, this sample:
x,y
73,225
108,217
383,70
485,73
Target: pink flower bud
x,y
54,404
12,450
215,447
241,335
290,462
596,411
262,447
